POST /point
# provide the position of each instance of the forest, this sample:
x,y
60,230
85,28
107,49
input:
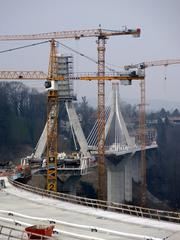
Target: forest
x,y
23,116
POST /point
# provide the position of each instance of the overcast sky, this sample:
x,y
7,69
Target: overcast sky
x,y
160,39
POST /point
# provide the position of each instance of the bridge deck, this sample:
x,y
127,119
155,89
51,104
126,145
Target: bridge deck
x,y
16,200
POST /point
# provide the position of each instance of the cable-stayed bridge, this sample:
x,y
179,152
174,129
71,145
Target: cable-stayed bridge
x,y
121,151
118,139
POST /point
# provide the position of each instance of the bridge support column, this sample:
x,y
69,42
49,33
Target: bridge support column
x,y
128,180
119,179
136,168
115,182
68,184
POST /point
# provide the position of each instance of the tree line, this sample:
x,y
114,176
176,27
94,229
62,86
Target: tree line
x,y
22,118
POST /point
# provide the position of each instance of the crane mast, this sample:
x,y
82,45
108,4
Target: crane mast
x,y
52,126
142,126
142,120
102,185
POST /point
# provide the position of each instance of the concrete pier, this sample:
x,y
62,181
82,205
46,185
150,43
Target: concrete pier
x,y
115,183
119,180
136,168
68,184
128,180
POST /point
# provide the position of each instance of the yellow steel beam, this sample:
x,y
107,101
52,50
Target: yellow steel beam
x,y
26,75
52,125
109,78
40,75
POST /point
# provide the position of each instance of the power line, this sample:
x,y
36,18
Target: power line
x,y
25,46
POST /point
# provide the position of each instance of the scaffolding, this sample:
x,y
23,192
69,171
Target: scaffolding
x,y
65,69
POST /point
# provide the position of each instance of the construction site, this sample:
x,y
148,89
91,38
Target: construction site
x,y
106,163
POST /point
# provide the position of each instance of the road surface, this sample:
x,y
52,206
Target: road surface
x,y
78,222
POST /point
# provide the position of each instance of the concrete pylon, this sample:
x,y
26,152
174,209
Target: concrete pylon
x,y
119,170
41,145
121,134
66,93
74,121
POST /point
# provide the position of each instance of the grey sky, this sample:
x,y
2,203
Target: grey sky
x,y
160,39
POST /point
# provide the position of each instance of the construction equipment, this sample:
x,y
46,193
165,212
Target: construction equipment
x,y
89,76
102,35
156,63
52,105
75,34
142,121
52,117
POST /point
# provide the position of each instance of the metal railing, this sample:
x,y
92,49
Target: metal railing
x,y
137,211
13,233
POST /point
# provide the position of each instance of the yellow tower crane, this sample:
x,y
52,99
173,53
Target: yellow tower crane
x,y
142,120
102,35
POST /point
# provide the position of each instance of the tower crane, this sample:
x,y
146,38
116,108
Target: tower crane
x,y
102,35
141,67
75,34
89,76
52,106
156,63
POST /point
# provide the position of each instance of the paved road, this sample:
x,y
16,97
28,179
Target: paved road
x,y
111,225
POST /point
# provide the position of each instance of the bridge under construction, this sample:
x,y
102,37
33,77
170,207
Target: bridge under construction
x,y
122,153
119,158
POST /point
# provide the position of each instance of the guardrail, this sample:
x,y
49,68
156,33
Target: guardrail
x,y
113,207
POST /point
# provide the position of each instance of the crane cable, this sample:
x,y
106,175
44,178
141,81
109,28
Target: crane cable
x,y
65,46
25,46
85,56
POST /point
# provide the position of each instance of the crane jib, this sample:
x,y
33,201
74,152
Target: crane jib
x,y
77,34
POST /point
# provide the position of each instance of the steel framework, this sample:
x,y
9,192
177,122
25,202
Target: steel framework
x,y
102,35
52,129
142,123
102,185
